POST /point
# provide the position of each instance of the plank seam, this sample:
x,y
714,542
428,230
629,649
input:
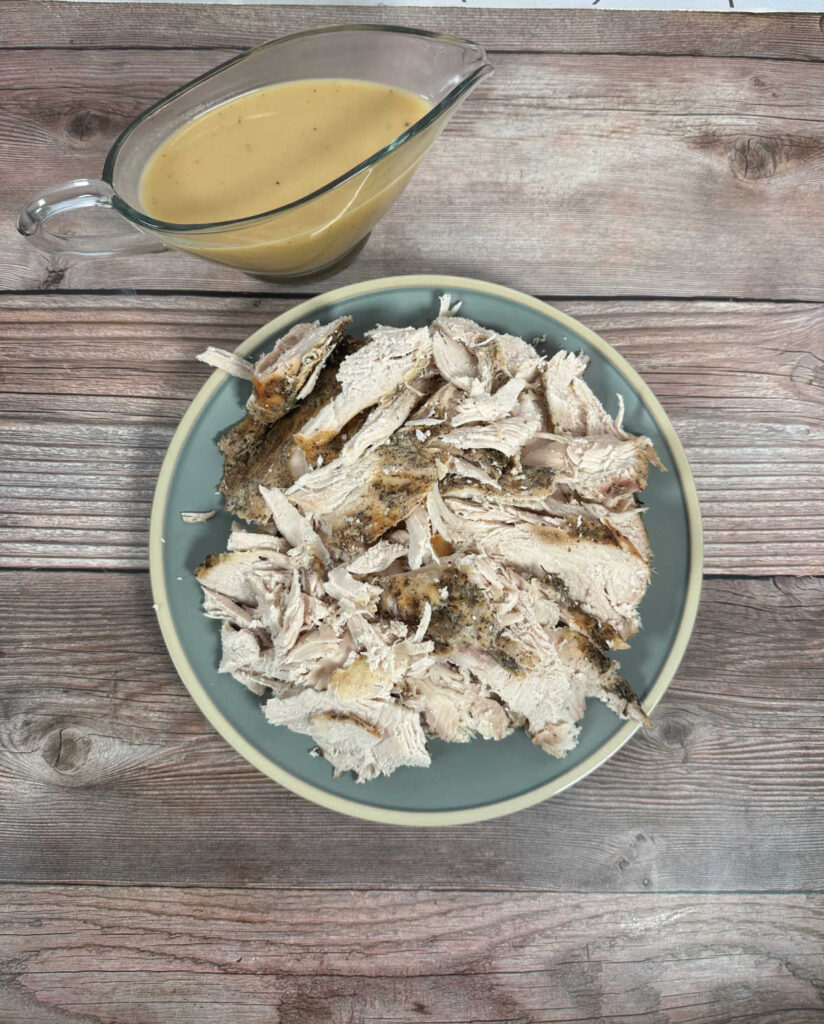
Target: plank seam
x,y
303,889
229,48
133,293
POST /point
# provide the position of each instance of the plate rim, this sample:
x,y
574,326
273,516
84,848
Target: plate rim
x,y
346,805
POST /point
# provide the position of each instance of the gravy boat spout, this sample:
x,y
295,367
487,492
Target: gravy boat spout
x,y
311,236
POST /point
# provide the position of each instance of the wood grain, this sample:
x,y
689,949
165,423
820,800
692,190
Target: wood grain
x,y
82,442
108,773
596,174
649,155
47,24
139,956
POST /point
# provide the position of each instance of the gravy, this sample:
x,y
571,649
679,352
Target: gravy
x,y
273,146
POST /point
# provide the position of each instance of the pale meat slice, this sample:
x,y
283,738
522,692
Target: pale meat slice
x,y
233,574
240,648
603,468
392,357
367,737
575,411
531,488
470,469
507,436
552,695
385,419
319,644
453,359
444,521
314,659
439,407
229,362
350,593
629,524
545,700
377,558
454,707
355,505
625,520
482,407
573,408
358,680
261,543
245,588
290,371
514,357
601,571
255,452
295,527
309,662
462,331
219,606
547,599
419,528
293,613
497,355
275,620
532,612
388,649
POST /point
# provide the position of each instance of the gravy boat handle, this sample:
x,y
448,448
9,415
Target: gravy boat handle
x,y
82,201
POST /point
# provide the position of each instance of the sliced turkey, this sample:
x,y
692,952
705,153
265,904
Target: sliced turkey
x,y
449,541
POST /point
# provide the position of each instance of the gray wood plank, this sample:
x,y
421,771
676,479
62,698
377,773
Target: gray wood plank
x,y
139,956
108,772
48,24
91,388
591,174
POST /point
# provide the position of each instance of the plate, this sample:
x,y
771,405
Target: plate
x,y
467,781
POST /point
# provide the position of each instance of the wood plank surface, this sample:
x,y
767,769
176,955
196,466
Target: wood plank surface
x,y
597,174
92,387
148,875
208,956
49,24
108,772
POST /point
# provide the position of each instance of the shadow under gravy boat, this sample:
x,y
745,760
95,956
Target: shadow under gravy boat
x,y
311,236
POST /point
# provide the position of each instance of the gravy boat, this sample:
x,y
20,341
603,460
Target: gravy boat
x,y
312,236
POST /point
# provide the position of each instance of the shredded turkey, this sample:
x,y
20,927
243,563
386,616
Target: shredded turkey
x,y
449,541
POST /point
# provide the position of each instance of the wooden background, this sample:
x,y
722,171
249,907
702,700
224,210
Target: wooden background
x,y
658,176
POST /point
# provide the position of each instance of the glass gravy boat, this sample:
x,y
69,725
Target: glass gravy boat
x,y
313,235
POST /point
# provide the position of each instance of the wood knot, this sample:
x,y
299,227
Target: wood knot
x,y
86,123
805,371
755,157
53,279
675,733
66,750
638,856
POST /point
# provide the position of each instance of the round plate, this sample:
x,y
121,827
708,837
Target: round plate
x,y
466,781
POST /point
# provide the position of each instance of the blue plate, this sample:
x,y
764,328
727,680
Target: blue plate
x,y
469,781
